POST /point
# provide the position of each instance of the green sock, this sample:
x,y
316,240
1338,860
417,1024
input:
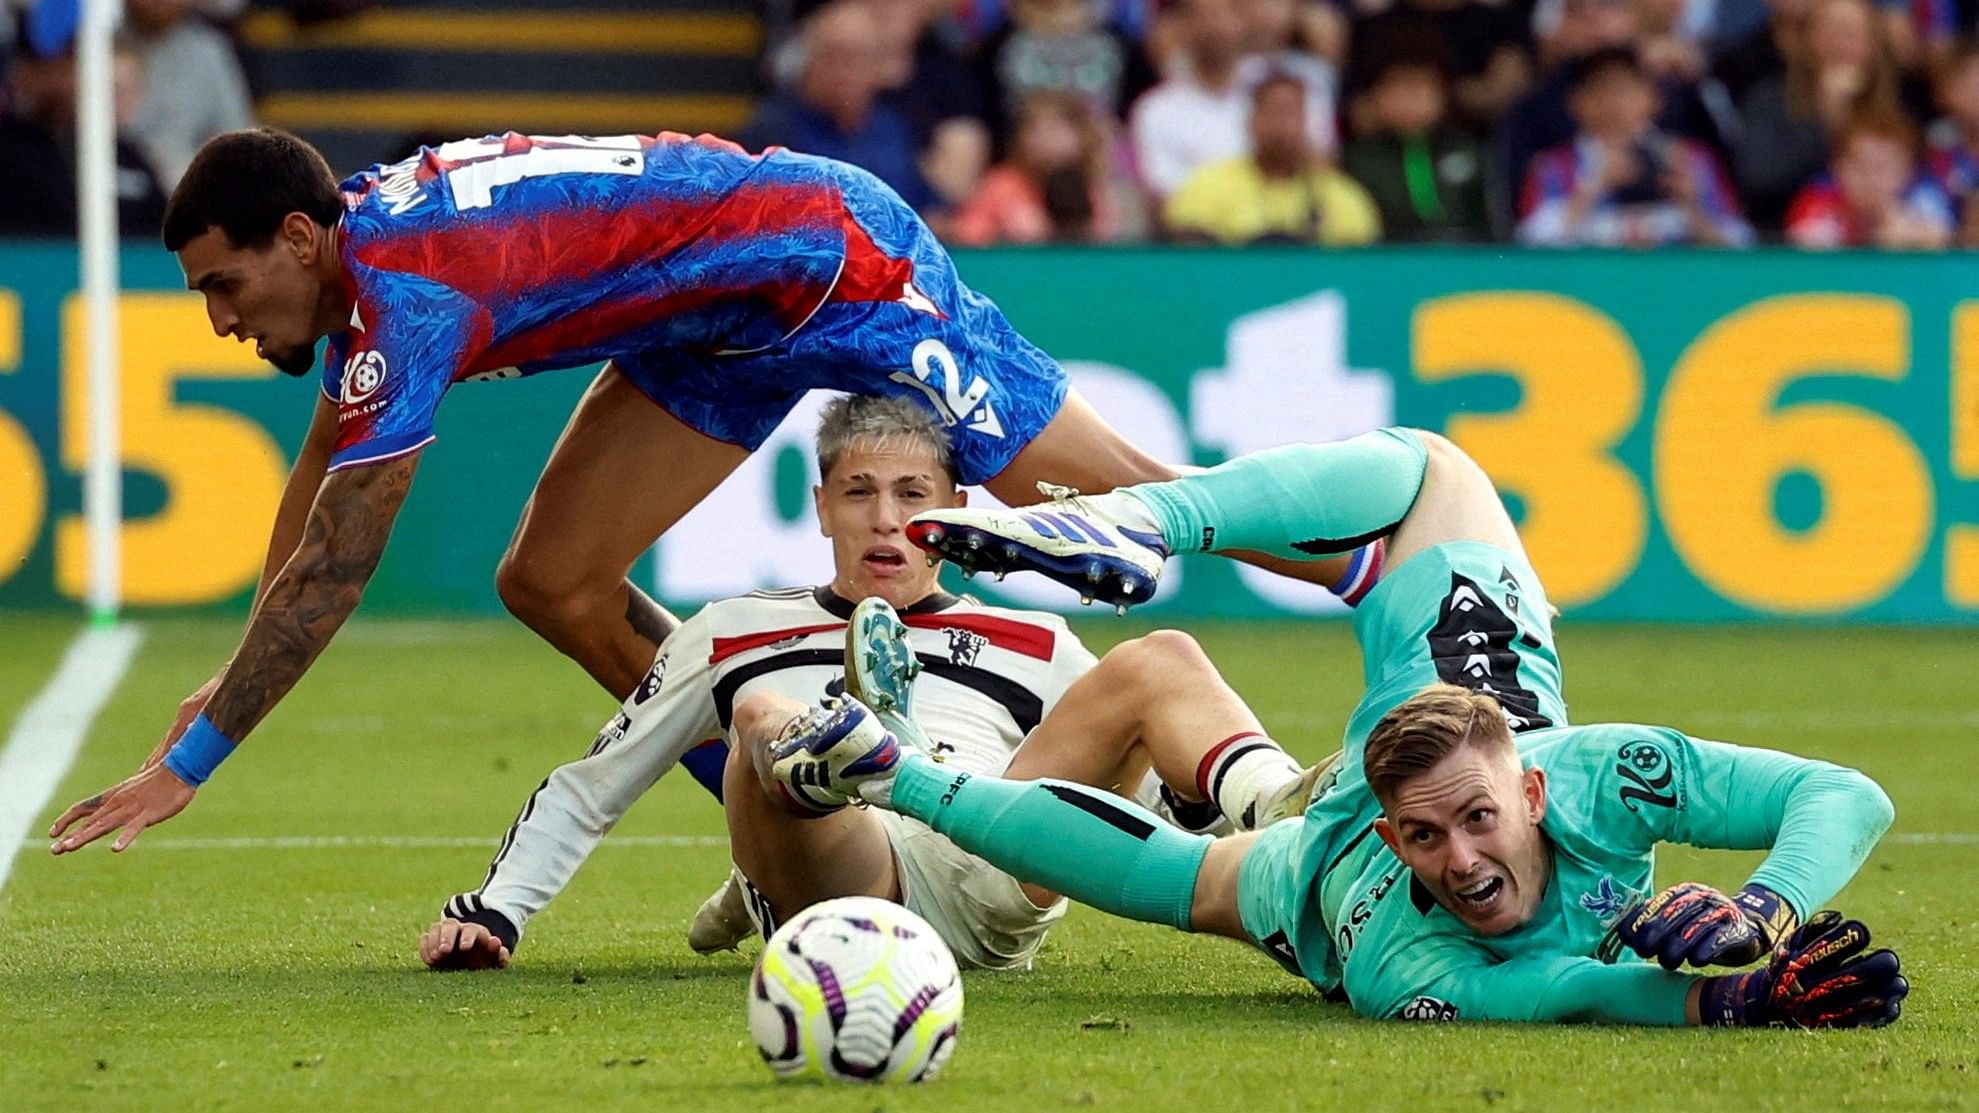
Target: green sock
x,y
1299,501
1088,844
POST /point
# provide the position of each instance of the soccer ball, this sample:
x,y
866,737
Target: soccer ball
x,y
856,990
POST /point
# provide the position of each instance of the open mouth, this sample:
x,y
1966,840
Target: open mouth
x,y
1483,896
884,560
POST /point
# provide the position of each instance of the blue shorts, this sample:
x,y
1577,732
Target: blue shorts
x,y
940,344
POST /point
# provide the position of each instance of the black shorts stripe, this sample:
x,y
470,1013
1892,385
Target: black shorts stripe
x,y
1330,546
1087,801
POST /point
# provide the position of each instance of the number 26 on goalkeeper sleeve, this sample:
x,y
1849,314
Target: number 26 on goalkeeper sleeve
x,y
1819,977
1697,925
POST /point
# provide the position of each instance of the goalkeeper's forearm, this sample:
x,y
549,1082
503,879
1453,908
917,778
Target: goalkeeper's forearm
x,y
1832,818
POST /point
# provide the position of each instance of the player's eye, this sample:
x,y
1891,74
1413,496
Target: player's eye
x,y
1481,816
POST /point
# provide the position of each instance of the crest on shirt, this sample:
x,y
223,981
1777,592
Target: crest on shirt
x,y
364,373
1607,901
963,645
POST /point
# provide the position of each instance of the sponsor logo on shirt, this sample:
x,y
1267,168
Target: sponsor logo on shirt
x,y
1428,1008
364,373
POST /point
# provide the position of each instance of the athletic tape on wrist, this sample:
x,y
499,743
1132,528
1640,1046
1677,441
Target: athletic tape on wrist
x,y
198,752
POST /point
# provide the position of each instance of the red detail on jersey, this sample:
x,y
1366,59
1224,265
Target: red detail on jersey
x,y
1017,637
725,648
791,303
488,262
871,274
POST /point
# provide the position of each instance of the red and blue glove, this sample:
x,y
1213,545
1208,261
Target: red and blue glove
x,y
1819,977
1696,924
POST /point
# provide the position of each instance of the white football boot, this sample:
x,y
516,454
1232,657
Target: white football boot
x,y
824,757
722,922
1104,547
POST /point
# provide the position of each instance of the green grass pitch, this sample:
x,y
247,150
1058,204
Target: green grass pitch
x,y
197,972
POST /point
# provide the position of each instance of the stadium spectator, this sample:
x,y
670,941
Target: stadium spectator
x,y
38,141
1952,144
1571,31
1490,41
1758,52
194,87
929,80
1873,195
1284,191
1275,34
1837,65
1062,46
1922,33
1054,187
833,106
1197,115
1426,175
1622,182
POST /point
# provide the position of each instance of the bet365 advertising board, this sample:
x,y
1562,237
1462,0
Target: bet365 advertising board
x,y
1685,436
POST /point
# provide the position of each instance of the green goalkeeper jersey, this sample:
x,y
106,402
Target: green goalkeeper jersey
x,y
1330,899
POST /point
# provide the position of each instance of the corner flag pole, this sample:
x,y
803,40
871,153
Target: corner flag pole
x,y
96,205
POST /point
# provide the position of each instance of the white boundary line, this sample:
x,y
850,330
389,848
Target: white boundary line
x,y
489,842
399,842
45,739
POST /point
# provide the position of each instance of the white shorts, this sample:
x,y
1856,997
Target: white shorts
x,y
978,910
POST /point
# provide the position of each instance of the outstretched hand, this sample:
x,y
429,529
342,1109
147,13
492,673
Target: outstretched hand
x,y
1822,976
145,799
456,945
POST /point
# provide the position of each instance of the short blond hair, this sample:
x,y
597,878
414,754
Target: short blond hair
x,y
880,422
1429,726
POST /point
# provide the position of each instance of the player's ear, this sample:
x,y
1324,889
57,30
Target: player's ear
x,y
303,237
961,497
1387,832
818,504
1534,783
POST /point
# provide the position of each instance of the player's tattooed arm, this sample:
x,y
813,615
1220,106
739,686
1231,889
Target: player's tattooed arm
x,y
309,599
647,618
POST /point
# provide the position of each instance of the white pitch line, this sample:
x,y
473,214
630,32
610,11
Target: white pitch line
x,y
45,738
399,842
444,842
1934,838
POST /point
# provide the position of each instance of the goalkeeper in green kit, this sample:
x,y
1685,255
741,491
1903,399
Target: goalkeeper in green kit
x,y
1469,854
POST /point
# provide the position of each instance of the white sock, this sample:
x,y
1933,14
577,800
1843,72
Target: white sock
x,y
1243,771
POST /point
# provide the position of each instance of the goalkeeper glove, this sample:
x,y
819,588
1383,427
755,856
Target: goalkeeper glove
x,y
1818,978
1698,924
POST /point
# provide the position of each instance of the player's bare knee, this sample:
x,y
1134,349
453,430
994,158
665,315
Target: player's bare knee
x,y
1144,664
1164,658
758,717
544,597
1457,502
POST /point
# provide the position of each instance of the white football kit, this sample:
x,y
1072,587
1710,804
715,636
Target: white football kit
x,y
989,676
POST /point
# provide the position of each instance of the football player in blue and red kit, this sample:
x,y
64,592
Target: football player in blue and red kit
x,y
718,284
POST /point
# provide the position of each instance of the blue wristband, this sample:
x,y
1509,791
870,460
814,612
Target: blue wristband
x,y
198,752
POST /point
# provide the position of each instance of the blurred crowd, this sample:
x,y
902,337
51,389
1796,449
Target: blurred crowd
x,y
177,83
1556,123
